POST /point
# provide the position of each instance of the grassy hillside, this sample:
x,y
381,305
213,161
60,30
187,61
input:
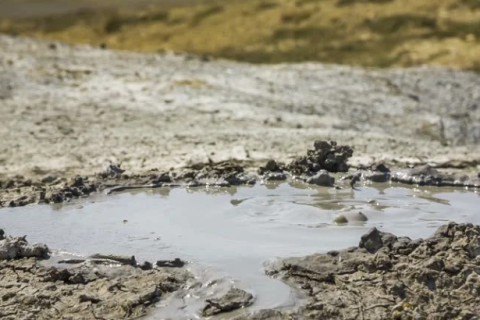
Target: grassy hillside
x,y
376,33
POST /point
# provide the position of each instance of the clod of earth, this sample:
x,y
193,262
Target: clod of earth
x,y
175,263
18,248
390,277
234,299
272,171
325,155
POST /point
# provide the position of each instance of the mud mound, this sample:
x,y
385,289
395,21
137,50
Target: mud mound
x,y
325,156
389,277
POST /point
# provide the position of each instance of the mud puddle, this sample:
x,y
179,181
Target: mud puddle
x,y
227,234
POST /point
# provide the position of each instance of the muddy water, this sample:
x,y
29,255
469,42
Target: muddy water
x,y
227,234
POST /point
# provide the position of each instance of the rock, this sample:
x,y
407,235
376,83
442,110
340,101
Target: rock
x,y
321,178
2,234
372,241
176,263
234,299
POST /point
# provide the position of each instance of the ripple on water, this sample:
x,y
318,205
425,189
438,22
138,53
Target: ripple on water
x,y
228,233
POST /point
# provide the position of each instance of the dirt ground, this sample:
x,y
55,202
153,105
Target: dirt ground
x,y
70,110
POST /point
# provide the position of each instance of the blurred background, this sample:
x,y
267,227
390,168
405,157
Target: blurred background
x,y
372,33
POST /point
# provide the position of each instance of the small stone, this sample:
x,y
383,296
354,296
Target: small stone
x,y
321,178
371,241
340,219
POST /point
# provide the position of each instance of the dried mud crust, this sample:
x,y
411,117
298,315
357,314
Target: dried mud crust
x,y
389,277
30,290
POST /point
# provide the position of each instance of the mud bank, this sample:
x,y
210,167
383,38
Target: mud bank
x,y
384,277
389,277
100,287
314,168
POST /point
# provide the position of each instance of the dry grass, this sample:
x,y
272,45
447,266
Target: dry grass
x,y
377,33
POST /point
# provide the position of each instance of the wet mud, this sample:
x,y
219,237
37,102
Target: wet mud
x,y
101,287
314,168
389,277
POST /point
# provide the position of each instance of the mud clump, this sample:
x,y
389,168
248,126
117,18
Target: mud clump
x,y
175,263
390,277
429,176
234,299
325,155
377,173
19,192
30,290
18,248
220,174
272,171
77,188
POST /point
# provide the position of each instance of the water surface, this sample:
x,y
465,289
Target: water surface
x,y
228,233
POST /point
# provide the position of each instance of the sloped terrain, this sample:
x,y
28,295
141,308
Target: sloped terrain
x,y
379,33
69,110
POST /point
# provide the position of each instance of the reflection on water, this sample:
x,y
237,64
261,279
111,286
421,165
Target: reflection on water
x,y
228,233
